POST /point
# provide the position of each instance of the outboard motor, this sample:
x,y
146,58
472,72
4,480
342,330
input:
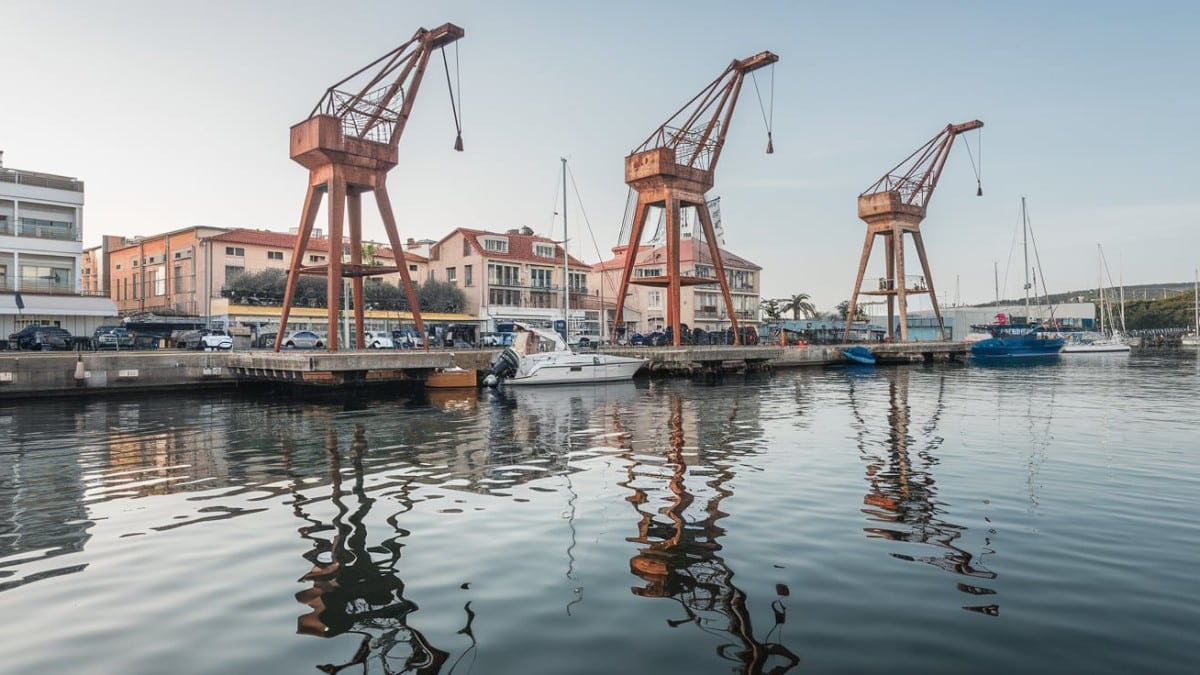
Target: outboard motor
x,y
504,365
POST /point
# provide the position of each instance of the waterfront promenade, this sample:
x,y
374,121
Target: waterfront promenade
x,y
25,374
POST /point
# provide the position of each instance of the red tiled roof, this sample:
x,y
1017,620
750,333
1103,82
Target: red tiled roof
x,y
520,247
690,251
288,240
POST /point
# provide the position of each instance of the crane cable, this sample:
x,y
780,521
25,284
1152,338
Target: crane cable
x,y
977,169
768,120
454,107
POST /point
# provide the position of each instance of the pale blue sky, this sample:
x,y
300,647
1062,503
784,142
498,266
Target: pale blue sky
x,y
177,114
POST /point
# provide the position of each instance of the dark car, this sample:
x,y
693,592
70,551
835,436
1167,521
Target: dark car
x,y
41,337
265,340
112,337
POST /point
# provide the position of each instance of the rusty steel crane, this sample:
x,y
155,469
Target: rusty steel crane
x,y
672,170
894,206
348,144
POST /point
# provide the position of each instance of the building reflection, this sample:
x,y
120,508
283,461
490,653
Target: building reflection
x,y
355,584
902,495
678,555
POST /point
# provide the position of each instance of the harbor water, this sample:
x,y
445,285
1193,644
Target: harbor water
x,y
942,518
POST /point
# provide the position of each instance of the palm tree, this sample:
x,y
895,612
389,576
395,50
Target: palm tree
x,y
800,303
771,308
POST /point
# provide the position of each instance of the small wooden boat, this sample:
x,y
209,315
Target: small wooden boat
x,y
859,354
452,378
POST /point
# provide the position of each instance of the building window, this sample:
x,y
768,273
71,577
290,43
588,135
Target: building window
x,y
504,297
468,276
452,275
412,268
541,277
496,245
577,282
504,275
231,272
316,258
135,263
118,265
648,272
543,250
135,288
236,251
179,278
466,247
274,255
654,300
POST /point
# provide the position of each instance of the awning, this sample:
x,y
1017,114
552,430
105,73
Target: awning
x,y
57,305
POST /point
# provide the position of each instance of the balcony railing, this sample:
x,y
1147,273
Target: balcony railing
x,y
40,180
40,229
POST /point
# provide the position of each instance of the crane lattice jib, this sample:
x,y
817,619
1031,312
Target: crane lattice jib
x,y
696,131
915,178
375,109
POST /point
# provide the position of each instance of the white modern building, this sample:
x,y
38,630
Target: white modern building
x,y
41,245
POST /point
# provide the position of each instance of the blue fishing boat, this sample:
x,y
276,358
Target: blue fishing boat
x,y
860,355
1017,343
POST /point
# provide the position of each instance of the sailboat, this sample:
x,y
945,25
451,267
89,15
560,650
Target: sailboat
x,y
540,356
1193,339
1108,340
1013,342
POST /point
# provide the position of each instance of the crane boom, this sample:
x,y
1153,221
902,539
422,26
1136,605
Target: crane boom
x,y
690,131
377,107
916,177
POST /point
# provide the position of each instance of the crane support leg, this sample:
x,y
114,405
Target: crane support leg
x,y
889,254
312,203
354,210
672,217
631,252
333,286
389,225
901,290
862,269
718,266
929,283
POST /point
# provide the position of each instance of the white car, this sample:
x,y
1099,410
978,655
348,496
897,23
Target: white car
x,y
377,340
216,340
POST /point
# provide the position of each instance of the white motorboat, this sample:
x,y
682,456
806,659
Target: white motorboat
x,y
542,357
1094,343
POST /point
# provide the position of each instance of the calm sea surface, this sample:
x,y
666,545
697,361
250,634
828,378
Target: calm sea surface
x,y
931,519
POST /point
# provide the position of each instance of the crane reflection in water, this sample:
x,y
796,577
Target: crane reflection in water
x,y
356,586
902,494
678,555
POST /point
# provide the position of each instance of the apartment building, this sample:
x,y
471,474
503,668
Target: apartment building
x,y
701,306
41,252
180,272
514,276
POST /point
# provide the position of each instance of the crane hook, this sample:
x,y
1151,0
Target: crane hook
x,y
978,188
458,144
770,145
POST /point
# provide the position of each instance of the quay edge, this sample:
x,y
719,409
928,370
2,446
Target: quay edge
x,y
34,374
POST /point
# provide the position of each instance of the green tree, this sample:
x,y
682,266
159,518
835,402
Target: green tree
x,y
843,309
771,308
798,304
441,296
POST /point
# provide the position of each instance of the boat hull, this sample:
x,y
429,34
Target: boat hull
x,y
860,355
1017,350
581,370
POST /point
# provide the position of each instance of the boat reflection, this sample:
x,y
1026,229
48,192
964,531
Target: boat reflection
x,y
902,493
678,555
356,587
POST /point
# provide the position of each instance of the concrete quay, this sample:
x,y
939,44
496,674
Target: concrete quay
x,y
33,374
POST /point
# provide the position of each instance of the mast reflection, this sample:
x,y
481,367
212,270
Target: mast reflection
x,y
902,496
678,556
356,587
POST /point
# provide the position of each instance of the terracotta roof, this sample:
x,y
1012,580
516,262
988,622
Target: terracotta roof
x,y
287,240
520,247
690,251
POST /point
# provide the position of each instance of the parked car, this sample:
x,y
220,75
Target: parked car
x,y
303,339
377,340
41,338
216,339
112,337
406,339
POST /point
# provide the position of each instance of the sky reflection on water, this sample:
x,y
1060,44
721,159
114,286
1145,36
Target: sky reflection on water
x,y
752,526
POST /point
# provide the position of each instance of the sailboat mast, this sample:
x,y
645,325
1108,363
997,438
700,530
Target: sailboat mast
x,y
1100,286
1025,249
1196,304
566,261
